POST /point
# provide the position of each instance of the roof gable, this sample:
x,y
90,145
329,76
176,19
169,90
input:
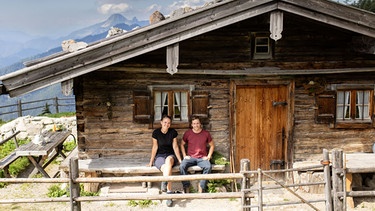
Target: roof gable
x,y
173,30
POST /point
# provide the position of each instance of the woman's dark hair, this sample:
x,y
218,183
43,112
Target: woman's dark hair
x,y
166,116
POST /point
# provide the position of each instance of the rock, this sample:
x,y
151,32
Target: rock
x,y
181,11
72,45
114,31
30,126
156,17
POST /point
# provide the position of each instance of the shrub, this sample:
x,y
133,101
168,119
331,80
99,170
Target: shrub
x,y
69,146
219,159
18,165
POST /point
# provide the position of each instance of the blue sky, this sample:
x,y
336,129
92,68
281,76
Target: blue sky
x,y
60,17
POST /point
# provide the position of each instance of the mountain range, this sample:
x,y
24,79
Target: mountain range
x,y
14,52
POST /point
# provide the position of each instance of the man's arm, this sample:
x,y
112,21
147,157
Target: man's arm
x,y
211,151
183,151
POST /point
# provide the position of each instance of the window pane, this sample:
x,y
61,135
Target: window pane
x,y
160,104
343,105
165,104
362,105
180,106
157,105
261,45
261,41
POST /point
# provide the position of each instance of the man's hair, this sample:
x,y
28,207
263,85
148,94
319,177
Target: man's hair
x,y
194,118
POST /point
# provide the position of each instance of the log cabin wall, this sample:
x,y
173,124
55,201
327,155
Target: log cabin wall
x,y
310,138
104,113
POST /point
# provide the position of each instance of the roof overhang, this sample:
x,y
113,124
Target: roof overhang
x,y
173,30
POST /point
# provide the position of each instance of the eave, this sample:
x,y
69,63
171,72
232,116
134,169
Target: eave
x,y
174,30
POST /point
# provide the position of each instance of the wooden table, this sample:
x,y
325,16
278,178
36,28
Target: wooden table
x,y
357,163
44,151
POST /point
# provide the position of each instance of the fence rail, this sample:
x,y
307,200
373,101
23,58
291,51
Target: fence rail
x,y
21,107
248,191
334,197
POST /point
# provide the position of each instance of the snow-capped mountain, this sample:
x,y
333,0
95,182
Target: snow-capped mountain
x,y
13,50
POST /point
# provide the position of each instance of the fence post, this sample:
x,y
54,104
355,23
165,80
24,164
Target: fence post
x,y
327,178
245,166
57,105
337,179
74,187
260,190
19,107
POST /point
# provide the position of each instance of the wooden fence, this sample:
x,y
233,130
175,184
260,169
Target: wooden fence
x,y
21,108
334,197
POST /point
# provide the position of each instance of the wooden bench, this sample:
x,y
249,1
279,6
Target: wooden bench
x,y
121,167
9,159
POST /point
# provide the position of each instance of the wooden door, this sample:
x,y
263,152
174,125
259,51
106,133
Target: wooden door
x,y
261,116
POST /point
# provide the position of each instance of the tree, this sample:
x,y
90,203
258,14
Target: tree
x,y
46,110
368,5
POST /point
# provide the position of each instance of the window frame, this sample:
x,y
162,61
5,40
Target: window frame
x,y
172,89
261,55
352,121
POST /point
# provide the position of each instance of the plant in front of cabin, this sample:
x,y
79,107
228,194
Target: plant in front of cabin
x,y
141,203
214,186
18,165
219,159
56,190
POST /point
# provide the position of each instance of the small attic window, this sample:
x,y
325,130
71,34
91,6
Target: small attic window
x,y
262,46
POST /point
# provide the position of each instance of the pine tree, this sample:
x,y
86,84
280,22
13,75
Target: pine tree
x,y
368,5
46,110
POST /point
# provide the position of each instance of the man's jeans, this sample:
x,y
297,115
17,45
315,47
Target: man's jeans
x,y
204,164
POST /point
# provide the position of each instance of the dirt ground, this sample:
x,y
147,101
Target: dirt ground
x,y
275,196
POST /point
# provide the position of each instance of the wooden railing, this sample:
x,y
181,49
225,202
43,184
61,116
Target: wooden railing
x,y
21,108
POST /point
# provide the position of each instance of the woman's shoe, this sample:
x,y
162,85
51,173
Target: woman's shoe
x,y
163,187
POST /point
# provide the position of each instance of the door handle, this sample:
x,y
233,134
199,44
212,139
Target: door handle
x,y
282,103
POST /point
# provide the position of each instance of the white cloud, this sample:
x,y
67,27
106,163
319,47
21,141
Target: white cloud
x,y
153,8
113,8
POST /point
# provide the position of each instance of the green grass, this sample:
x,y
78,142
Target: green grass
x,y
140,203
62,114
55,191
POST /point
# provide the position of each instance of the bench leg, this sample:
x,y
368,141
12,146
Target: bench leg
x,y
91,187
6,172
40,168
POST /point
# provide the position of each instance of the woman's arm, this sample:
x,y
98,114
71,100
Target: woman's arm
x,y
176,150
153,151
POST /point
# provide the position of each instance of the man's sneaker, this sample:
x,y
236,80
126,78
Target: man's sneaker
x,y
169,202
163,186
187,189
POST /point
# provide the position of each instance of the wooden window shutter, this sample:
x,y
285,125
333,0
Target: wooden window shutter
x,y
142,107
200,100
326,103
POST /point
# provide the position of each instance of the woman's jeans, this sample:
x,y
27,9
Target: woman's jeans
x,y
204,164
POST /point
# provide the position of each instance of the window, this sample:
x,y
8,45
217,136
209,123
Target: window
x,y
353,105
172,103
347,106
262,46
177,101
